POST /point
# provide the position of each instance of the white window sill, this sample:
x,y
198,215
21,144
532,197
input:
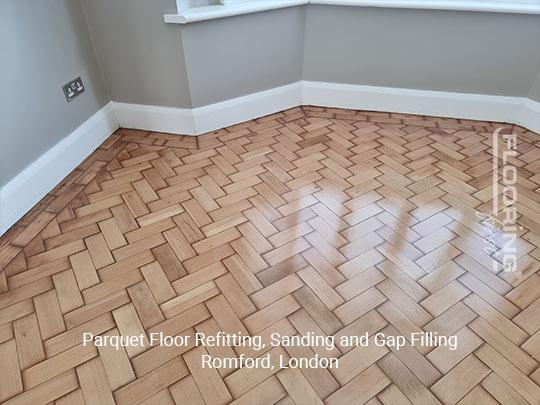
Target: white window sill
x,y
513,7
220,11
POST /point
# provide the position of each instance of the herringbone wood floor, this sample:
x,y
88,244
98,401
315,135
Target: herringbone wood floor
x,y
316,220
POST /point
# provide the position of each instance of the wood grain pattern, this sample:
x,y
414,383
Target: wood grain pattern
x,y
311,220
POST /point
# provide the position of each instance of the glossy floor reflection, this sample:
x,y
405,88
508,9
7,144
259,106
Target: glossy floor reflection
x,y
313,221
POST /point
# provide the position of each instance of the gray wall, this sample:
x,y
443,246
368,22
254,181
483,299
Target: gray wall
x,y
141,56
43,44
468,52
534,92
234,56
145,61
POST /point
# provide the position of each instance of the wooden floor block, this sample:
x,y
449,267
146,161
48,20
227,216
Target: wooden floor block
x,y
313,221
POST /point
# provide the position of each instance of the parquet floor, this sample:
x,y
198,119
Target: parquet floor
x,y
327,221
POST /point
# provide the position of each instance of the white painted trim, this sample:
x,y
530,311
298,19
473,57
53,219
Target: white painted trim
x,y
240,109
228,10
33,183
486,6
195,14
215,116
529,115
155,118
408,101
208,118
182,5
25,190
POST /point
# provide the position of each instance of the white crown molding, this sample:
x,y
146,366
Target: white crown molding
x,y
25,190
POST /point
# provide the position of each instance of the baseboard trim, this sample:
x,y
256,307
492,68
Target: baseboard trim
x,y
407,101
196,121
223,114
155,118
25,190
529,115
200,120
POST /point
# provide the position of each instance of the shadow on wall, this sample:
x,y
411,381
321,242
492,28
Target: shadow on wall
x,y
141,56
44,44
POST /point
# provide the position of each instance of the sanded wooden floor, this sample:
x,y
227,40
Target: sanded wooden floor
x,y
316,220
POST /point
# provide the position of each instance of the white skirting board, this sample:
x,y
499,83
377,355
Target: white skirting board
x,y
200,120
240,109
155,118
26,189
529,115
407,101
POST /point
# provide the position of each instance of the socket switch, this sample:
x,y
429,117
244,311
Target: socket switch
x,y
73,89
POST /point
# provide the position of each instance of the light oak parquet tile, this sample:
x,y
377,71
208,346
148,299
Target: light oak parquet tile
x,y
309,221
